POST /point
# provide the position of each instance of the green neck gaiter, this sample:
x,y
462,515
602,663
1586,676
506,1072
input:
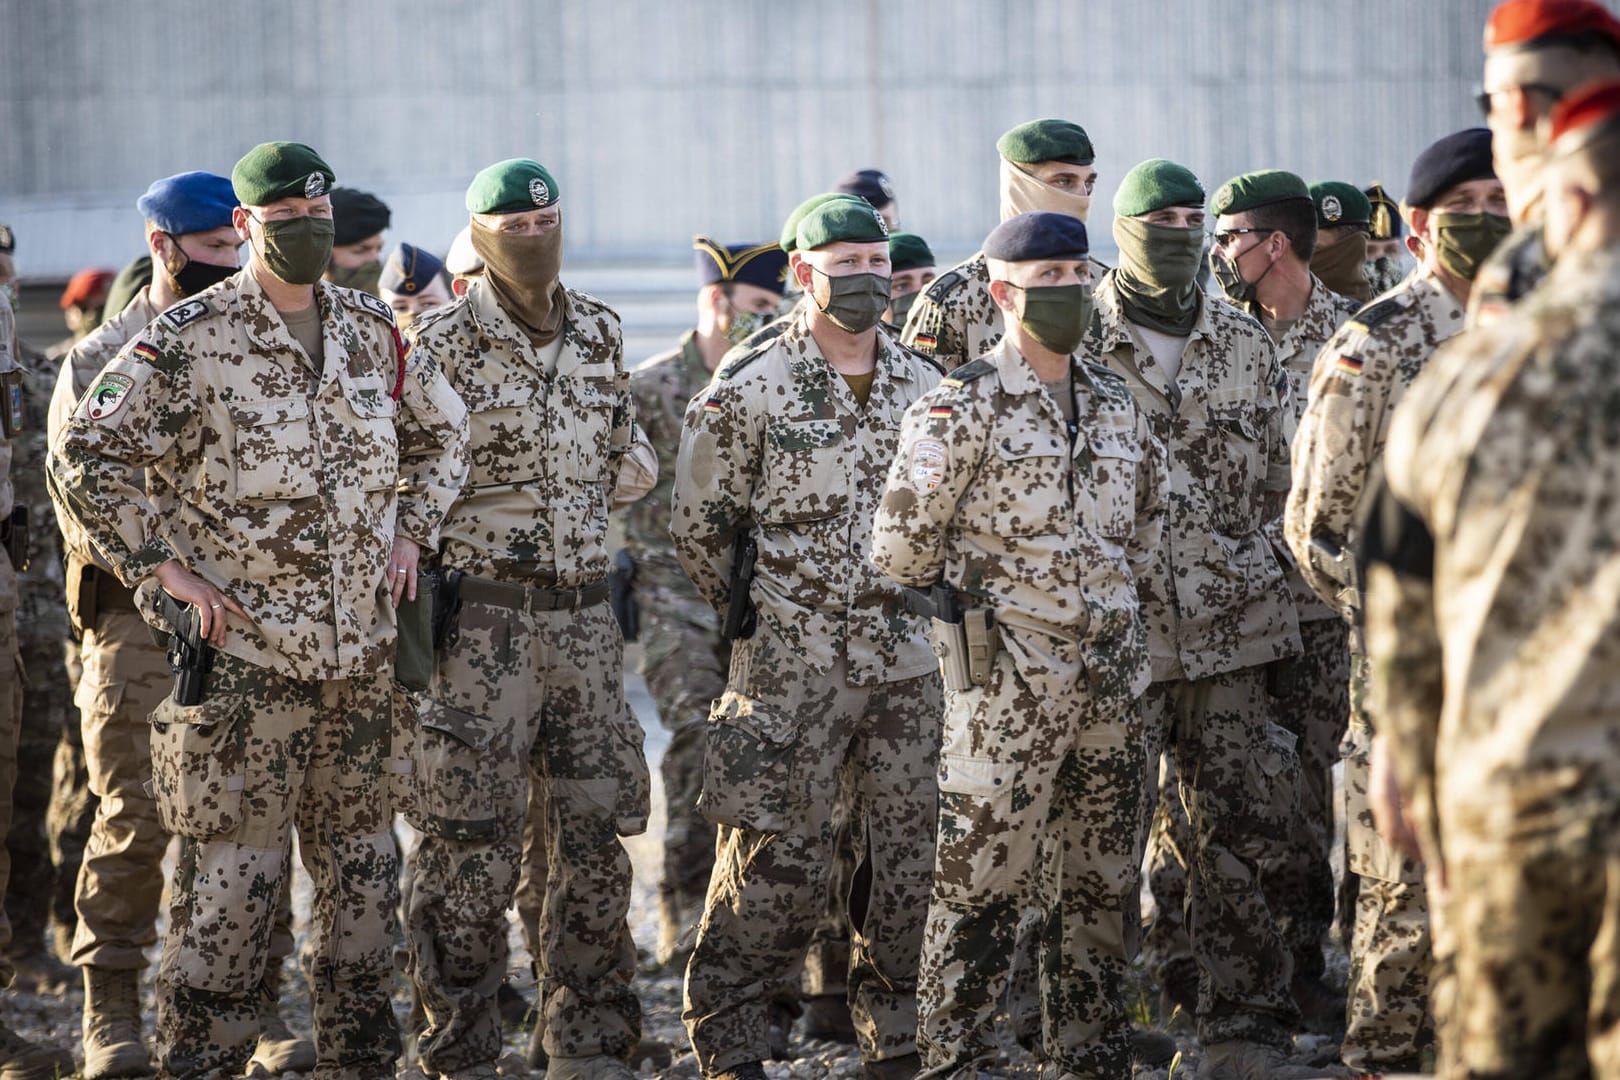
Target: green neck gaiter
x,y
1467,240
1157,275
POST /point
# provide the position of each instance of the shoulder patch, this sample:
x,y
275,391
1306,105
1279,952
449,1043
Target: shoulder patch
x,y
107,394
973,369
734,361
944,285
185,313
1377,312
366,302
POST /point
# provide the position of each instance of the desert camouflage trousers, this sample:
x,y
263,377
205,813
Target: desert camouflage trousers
x,y
1236,777
1311,699
684,662
264,754
777,741
1390,1017
1039,794
1536,938
519,699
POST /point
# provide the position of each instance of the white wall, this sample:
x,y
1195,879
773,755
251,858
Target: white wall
x,y
661,119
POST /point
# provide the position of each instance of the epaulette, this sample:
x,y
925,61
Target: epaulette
x,y
364,301
942,286
434,316
969,371
588,305
734,361
1377,312
185,313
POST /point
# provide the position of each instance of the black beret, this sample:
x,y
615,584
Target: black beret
x,y
1039,234
762,265
870,184
357,215
1456,159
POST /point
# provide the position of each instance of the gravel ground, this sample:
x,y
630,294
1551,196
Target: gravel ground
x,y
56,1019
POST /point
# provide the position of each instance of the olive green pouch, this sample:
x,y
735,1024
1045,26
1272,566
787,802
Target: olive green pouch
x,y
413,663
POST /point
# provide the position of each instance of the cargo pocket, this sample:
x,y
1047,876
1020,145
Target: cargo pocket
x,y
402,753
1273,780
973,862
1115,456
199,768
457,785
1237,467
748,765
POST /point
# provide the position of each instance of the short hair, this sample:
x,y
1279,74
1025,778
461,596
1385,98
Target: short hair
x,y
1294,218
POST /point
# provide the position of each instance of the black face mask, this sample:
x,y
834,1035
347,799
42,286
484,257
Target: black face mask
x,y
193,276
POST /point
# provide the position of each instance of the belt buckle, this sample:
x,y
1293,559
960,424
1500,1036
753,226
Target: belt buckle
x,y
529,595
579,597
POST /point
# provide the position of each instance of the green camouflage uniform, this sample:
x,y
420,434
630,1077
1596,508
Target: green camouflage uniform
x,y
683,657
989,494
836,674
1218,609
1490,619
284,484
1364,373
529,690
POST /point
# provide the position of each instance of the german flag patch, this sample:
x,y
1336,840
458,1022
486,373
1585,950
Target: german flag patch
x,y
925,343
146,351
712,405
941,412
1350,365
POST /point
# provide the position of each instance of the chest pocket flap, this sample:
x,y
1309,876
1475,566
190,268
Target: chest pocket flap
x,y
275,453
804,471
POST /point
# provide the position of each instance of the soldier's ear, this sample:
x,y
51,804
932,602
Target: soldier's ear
x,y
1001,293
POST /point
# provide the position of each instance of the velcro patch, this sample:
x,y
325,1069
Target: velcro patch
x,y
925,344
926,469
1350,365
107,395
185,313
374,305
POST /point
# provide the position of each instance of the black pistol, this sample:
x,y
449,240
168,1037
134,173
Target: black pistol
x,y
190,657
621,594
741,618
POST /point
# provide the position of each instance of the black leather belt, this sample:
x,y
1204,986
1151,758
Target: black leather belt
x,y
530,598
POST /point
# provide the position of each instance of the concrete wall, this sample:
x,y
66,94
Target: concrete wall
x,y
662,119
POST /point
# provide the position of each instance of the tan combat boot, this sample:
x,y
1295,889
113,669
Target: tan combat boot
x,y
279,1049
112,1025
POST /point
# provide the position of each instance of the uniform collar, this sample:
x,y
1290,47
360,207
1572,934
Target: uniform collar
x,y
494,321
267,328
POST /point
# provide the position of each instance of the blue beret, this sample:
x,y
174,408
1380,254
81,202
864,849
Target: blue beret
x,y
1039,234
408,270
1462,156
762,265
870,184
188,203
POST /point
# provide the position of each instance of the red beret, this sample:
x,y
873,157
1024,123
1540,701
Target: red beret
x,y
1516,24
1582,110
86,285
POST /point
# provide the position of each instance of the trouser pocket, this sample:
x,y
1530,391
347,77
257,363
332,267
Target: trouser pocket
x,y
458,782
198,765
749,765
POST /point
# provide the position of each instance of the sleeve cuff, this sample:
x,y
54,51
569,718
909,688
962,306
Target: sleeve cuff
x,y
142,562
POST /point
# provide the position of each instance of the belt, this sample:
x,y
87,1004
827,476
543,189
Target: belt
x,y
531,598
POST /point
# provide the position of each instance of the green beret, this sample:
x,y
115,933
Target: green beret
x,y
280,170
1256,189
511,187
1046,140
790,228
908,251
1155,184
1338,203
843,218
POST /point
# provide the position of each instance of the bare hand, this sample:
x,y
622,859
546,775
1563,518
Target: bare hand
x,y
1388,808
402,569
211,604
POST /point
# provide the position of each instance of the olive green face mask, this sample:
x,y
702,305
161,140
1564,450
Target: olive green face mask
x,y
1158,273
297,250
1465,241
364,277
900,307
1057,316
